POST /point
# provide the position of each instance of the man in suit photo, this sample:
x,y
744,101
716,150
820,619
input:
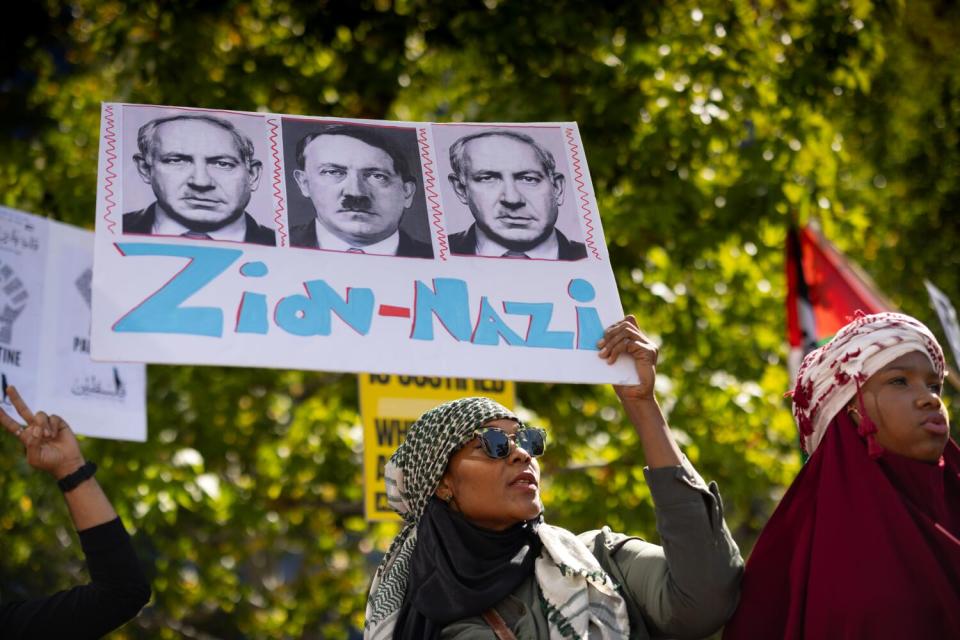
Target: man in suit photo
x,y
512,187
360,185
202,171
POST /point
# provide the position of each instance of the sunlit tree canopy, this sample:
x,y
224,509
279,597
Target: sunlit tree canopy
x,y
708,127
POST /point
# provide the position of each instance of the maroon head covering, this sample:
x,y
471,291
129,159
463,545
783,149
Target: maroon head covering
x,y
865,543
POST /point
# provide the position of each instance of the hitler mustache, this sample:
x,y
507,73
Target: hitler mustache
x,y
356,203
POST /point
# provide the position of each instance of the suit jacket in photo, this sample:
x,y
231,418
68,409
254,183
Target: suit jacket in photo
x,y
142,222
305,235
464,243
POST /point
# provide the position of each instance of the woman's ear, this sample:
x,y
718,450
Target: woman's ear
x,y
444,490
853,412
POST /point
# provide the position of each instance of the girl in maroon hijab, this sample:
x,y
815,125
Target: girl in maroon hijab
x,y
866,542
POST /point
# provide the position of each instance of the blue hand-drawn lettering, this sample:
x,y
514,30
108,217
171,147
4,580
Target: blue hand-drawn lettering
x,y
589,327
538,331
252,314
256,269
581,290
161,312
490,327
448,301
309,315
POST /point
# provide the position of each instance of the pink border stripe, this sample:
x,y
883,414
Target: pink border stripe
x,y
277,170
584,196
429,182
110,137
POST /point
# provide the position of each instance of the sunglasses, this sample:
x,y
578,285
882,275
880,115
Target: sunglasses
x,y
496,442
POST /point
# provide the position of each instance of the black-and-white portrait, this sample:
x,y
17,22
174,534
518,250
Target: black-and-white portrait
x,y
355,188
196,174
514,195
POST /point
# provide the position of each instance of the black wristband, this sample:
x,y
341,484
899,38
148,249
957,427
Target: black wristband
x,y
70,482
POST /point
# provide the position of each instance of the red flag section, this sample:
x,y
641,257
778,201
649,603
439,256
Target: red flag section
x,y
824,290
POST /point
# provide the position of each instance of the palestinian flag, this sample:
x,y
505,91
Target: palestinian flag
x,y
824,290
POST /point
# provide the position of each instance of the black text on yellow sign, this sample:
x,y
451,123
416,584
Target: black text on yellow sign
x,y
390,404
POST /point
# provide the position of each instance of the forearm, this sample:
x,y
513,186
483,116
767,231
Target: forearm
x,y
659,446
695,589
88,505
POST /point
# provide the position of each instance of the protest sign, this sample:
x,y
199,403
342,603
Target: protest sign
x,y
422,249
390,404
46,272
948,317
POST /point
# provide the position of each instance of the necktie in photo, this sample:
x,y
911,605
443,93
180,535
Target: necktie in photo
x,y
516,254
355,250
196,234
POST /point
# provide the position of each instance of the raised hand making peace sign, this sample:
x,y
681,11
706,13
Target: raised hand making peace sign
x,y
48,441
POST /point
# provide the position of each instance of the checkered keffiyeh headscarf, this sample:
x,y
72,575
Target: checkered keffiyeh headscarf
x,y
830,376
414,471
412,476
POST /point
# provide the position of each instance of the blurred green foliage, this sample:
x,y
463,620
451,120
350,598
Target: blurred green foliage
x,y
708,125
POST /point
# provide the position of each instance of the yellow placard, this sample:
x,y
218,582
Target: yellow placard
x,y
390,404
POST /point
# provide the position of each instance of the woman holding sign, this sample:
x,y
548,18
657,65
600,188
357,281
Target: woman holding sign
x,y
866,543
475,559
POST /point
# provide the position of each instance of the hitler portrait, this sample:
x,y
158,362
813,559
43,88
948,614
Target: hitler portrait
x,y
359,191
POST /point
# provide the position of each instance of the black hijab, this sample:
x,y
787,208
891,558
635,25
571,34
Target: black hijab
x,y
459,570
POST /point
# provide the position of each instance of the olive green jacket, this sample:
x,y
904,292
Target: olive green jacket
x,y
687,588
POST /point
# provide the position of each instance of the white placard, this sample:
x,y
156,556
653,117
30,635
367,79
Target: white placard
x,y
46,273
256,239
948,318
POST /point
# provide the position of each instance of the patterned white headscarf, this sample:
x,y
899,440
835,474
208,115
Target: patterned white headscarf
x,y
830,376
580,597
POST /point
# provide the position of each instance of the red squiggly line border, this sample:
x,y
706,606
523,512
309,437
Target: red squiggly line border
x,y
584,196
110,138
432,196
277,171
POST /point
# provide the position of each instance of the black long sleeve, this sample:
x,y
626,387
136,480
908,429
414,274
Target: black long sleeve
x,y
116,593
